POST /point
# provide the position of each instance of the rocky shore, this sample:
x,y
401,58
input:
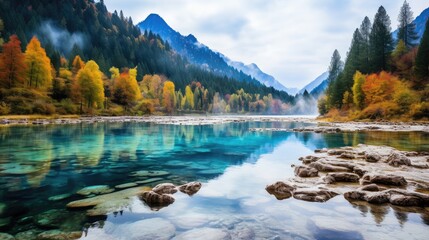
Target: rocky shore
x,y
373,174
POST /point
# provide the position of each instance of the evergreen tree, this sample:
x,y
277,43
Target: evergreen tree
x,y
381,42
335,69
365,31
422,61
407,28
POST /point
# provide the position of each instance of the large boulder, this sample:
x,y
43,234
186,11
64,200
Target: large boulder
x,y
388,179
372,157
165,188
190,188
341,177
324,167
280,190
398,159
304,171
393,196
314,195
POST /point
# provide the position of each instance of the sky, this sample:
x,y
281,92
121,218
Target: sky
x,y
292,40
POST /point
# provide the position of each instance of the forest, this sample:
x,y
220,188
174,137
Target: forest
x,y
75,57
382,77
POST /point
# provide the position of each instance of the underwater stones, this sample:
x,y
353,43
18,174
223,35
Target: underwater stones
x,y
126,185
27,235
59,197
18,169
150,180
372,157
304,171
59,218
310,195
341,177
58,235
388,179
108,203
280,190
398,159
190,188
146,173
5,236
156,201
148,229
96,189
204,233
165,188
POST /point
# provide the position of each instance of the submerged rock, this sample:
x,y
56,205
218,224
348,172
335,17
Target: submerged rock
x,y
97,190
190,188
126,185
341,177
145,173
27,235
58,235
165,188
280,190
304,171
59,197
314,195
4,222
5,236
150,180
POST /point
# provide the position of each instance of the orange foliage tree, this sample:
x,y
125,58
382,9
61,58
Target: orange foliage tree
x,y
380,87
125,88
168,98
39,72
12,64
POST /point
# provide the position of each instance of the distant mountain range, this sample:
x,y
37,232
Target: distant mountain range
x,y
198,53
315,83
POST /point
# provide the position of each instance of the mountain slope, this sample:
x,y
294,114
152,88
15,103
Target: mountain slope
x,y
198,53
315,83
420,22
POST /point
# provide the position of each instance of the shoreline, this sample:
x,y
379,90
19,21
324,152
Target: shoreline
x,y
319,126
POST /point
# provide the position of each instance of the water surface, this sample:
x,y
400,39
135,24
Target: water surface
x,y
233,163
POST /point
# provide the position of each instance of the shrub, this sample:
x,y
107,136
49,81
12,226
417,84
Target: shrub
x,y
382,110
4,108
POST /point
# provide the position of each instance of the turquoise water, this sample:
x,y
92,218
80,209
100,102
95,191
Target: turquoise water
x,y
234,165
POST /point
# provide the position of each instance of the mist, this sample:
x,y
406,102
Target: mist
x,y
61,39
305,106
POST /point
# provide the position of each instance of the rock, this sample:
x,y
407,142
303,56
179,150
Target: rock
x,y
280,190
190,188
355,195
150,180
148,229
27,235
323,167
145,173
58,235
204,233
323,150
126,185
377,197
309,159
165,188
406,201
341,177
347,155
372,157
389,179
336,151
304,171
359,171
108,203
156,201
398,159
60,218
97,190
393,196
59,197
5,236
314,195
371,188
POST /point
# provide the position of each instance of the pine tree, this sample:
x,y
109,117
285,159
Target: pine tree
x,y
335,69
422,61
365,31
381,42
12,64
407,28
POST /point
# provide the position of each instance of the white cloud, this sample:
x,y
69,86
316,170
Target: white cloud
x,y
291,40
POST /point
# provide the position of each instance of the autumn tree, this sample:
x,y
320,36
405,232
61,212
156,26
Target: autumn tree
x,y
407,28
380,87
381,42
12,64
189,98
126,91
90,85
39,72
358,94
77,64
168,97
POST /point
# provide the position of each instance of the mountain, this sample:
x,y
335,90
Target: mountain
x,y
420,22
320,80
264,78
198,53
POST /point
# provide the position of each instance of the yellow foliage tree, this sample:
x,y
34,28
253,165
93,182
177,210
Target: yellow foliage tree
x,y
39,74
77,64
189,96
114,71
90,85
125,87
358,94
168,96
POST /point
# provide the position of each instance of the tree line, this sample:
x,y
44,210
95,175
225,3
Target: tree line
x,y
381,78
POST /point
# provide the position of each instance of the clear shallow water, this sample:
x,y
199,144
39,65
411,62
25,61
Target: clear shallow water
x,y
233,163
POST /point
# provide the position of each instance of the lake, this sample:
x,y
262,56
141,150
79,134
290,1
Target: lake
x,y
42,168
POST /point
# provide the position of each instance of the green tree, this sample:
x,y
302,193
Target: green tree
x,y
422,61
407,28
365,31
89,80
381,42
